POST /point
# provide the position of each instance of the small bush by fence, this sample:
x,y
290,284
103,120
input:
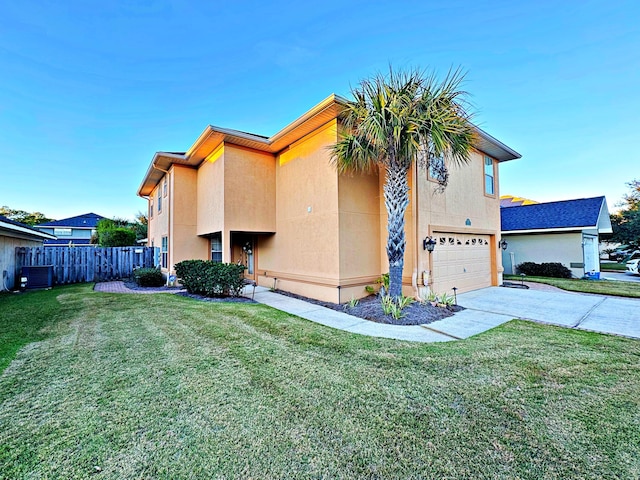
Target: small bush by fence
x,y
87,264
204,277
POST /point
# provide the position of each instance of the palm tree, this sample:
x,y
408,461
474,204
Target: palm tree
x,y
394,121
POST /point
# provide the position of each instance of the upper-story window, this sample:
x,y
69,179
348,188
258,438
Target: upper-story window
x,y
151,208
165,188
437,169
489,176
61,232
159,200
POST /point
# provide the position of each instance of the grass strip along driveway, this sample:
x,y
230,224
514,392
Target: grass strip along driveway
x,y
160,386
598,287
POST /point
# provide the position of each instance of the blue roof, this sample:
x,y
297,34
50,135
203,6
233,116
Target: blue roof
x,y
583,212
87,220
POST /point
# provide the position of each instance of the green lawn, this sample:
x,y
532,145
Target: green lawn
x,y
165,387
601,287
613,267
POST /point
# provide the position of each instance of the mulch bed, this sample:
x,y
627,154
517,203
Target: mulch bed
x,y
216,299
369,308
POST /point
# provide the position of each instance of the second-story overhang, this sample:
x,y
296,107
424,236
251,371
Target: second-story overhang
x,y
327,110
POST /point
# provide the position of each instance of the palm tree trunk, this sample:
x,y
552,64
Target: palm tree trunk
x,y
396,199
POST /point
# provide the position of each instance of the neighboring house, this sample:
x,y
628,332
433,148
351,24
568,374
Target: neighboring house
x,y
278,205
74,231
565,232
12,235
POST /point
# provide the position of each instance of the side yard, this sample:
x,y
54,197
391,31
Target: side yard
x,y
600,287
159,386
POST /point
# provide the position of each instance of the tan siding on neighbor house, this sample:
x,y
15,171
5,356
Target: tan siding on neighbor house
x,y
564,248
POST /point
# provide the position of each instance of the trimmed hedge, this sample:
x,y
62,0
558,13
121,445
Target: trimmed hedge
x,y
211,279
554,270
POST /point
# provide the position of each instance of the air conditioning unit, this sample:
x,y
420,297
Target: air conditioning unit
x,y
40,276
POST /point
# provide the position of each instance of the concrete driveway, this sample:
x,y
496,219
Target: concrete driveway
x,y
587,312
620,276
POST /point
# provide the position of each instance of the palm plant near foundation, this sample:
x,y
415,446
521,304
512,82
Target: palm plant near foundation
x,y
398,119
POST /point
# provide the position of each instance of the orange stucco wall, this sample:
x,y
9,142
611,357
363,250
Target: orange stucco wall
x,y
462,202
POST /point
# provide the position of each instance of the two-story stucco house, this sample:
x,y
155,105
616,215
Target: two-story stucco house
x,y
277,205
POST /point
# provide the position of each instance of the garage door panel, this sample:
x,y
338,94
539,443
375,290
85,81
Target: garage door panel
x,y
462,261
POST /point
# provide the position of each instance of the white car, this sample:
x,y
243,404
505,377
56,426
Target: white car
x,y
633,265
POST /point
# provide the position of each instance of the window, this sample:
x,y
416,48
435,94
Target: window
x,y
216,248
159,200
151,208
165,252
164,186
489,184
62,232
437,169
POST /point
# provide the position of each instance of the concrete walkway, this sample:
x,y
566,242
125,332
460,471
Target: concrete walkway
x,y
462,325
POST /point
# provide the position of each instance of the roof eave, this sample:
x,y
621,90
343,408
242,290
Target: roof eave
x,y
494,147
25,230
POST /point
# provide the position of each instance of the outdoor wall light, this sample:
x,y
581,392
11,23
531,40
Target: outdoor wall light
x,y
429,244
503,244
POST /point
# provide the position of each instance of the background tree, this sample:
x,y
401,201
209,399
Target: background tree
x,y
23,216
140,225
394,121
112,233
626,222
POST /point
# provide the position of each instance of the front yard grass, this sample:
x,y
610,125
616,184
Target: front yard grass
x,y
166,387
600,287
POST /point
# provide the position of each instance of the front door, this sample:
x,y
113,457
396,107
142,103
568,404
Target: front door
x,y
243,252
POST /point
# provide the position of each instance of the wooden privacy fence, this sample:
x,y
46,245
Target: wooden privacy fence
x,y
87,264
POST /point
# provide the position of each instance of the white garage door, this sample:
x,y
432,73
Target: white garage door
x,y
462,261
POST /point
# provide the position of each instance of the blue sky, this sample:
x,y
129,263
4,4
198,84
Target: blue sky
x,y
90,90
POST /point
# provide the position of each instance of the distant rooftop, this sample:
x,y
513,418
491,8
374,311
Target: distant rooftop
x,y
580,213
511,201
86,220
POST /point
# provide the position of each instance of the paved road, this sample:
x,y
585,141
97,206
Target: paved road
x,y
620,276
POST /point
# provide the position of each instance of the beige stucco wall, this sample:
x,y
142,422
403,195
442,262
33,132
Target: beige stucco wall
x,y
8,258
250,190
305,249
211,194
564,248
159,222
462,202
184,243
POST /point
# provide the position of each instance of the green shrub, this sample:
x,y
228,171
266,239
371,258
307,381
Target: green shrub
x,y
204,277
554,270
148,277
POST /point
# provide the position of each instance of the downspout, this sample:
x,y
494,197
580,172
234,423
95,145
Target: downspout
x,y
415,212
